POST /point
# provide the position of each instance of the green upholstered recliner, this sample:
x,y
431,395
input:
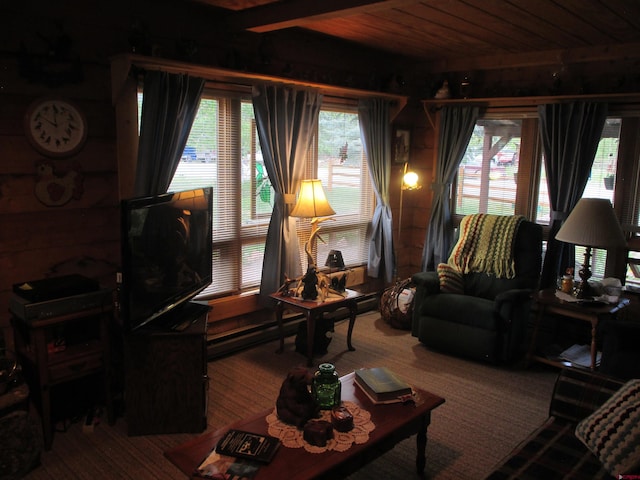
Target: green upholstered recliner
x,y
489,321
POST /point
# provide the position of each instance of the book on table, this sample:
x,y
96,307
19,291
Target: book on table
x,y
238,455
252,446
381,385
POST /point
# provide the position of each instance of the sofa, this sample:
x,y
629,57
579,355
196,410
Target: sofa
x,y
487,319
556,450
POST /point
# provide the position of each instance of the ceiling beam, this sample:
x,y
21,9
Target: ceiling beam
x,y
296,13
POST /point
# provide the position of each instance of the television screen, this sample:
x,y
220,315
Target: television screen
x,y
166,253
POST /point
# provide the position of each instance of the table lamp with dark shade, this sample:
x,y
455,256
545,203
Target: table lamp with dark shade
x,y
593,224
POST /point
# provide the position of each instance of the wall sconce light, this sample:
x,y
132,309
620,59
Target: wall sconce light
x,y
410,181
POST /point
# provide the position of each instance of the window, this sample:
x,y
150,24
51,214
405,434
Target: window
x,y
600,185
223,151
342,167
488,173
502,172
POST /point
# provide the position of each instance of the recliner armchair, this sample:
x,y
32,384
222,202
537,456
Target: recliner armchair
x,y
489,320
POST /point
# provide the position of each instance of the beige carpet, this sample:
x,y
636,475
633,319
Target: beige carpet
x,y
488,410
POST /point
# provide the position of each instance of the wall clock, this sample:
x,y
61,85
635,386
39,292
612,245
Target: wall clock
x,y
55,127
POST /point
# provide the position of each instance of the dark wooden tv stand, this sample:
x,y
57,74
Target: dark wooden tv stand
x,y
166,380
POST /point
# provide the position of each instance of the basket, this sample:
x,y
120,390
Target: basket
x,y
396,304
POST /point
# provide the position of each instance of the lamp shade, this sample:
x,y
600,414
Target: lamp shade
x,y
312,201
592,223
191,200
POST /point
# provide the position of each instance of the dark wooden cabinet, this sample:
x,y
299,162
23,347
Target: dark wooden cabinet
x,y
166,380
60,349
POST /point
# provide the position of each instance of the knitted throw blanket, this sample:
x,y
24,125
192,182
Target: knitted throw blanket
x,y
486,244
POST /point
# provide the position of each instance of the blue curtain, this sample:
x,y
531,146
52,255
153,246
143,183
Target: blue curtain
x,y
169,106
375,130
570,134
286,119
456,128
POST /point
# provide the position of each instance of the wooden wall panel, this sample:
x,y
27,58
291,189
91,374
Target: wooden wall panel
x,y
38,241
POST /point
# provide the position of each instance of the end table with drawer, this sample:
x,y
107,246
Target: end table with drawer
x,y
548,302
313,311
49,361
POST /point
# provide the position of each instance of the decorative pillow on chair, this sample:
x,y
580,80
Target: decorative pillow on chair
x,y
612,432
451,280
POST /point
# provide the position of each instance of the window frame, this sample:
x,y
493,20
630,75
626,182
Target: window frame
x,y
626,194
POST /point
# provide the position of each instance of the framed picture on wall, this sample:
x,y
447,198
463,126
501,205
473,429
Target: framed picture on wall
x,y
401,145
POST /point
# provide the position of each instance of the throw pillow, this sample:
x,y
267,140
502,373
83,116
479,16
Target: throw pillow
x,y
612,432
451,280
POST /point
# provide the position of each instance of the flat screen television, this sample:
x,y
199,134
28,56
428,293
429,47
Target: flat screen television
x,y
166,254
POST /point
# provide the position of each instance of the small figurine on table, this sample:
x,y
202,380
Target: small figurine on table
x,y
310,281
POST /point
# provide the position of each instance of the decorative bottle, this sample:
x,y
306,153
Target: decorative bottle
x,y
326,386
567,281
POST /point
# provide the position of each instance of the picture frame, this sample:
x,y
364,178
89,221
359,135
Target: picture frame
x,y
401,145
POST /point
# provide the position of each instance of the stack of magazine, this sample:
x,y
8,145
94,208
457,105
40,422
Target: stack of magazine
x,y
580,355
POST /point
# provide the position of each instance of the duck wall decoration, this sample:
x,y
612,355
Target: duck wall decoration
x,y
54,189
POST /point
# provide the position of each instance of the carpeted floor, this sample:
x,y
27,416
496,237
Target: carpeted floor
x,y
488,410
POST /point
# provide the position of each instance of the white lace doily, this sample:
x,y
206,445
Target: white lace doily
x,y
291,437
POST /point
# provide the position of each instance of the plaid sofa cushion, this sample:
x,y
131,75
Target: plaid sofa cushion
x,y
551,453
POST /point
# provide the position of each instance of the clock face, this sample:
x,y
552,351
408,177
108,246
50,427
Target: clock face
x,y
55,127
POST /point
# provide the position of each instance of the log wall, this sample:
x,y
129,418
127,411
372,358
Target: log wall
x,y
82,236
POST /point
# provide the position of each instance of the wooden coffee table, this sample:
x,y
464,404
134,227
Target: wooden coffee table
x,y
313,310
393,423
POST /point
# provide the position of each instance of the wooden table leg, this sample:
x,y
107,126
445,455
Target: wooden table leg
x,y
594,350
353,312
279,310
311,330
421,443
534,335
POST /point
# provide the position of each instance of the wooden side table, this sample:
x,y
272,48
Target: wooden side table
x,y
87,351
313,310
548,302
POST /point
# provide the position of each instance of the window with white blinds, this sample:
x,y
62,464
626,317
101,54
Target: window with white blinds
x,y
223,151
492,174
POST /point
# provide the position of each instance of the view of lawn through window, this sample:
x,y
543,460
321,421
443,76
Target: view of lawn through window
x,y
223,151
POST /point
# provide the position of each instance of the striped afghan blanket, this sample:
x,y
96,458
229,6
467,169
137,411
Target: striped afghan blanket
x,y
486,244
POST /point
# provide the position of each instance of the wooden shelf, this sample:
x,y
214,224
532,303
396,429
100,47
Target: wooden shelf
x,y
88,352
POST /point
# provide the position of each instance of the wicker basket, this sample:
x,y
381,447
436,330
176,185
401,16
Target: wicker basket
x,y
394,308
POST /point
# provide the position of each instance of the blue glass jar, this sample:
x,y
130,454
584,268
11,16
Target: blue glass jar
x,y
326,386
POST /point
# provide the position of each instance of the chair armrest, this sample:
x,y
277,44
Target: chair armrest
x,y
514,295
579,393
427,282
507,301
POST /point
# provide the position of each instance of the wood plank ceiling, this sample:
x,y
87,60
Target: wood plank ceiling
x,y
447,33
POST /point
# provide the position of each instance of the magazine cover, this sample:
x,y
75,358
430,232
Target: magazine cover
x,y
223,467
